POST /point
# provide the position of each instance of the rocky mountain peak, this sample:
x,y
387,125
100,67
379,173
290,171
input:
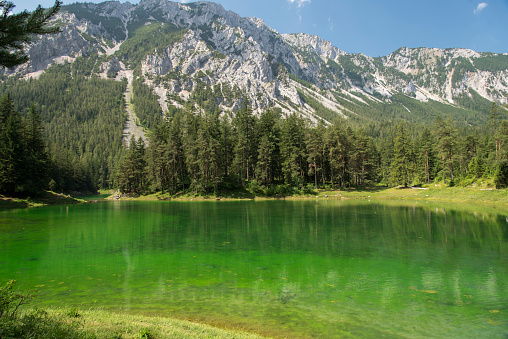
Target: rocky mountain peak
x,y
180,49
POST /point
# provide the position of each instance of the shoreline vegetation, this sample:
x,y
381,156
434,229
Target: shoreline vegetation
x,y
483,194
45,198
66,322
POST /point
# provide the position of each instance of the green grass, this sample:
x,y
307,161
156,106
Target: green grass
x,y
34,322
44,199
101,324
432,196
483,194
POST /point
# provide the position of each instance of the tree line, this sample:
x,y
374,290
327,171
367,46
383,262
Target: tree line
x,y
274,155
269,154
27,167
82,119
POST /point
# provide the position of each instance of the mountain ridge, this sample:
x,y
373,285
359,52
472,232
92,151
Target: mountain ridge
x,y
190,49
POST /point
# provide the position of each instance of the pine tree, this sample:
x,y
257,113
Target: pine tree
x,y
16,30
265,152
426,154
401,163
446,139
245,145
292,148
494,122
314,154
36,157
12,169
158,161
338,147
267,166
131,174
226,144
190,128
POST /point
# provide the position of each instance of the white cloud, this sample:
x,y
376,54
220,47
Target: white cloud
x,y
481,6
299,3
330,23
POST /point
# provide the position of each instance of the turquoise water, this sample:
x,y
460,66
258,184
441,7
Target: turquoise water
x,y
319,269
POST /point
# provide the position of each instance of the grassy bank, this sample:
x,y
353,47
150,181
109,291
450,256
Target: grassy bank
x,y
44,199
99,324
30,321
431,193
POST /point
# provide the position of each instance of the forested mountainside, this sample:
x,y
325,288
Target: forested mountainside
x,y
200,60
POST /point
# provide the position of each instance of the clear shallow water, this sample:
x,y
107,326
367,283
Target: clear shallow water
x,y
299,268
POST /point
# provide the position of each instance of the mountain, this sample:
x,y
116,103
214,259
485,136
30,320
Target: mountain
x,y
200,57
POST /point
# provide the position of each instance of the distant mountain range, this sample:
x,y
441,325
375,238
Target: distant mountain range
x,y
201,57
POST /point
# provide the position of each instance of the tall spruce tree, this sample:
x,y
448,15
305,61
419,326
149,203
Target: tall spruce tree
x,y
314,152
12,169
131,173
292,147
401,162
267,166
245,145
446,139
36,157
426,155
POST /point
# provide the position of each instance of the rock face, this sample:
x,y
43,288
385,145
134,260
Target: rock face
x,y
243,59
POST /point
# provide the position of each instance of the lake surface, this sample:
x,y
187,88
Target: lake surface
x,y
319,269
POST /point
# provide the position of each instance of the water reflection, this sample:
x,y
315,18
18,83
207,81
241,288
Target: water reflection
x,y
321,269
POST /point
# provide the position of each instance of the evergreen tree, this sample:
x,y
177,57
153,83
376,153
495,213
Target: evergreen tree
x,y
175,149
494,122
190,129
131,174
338,148
267,167
292,147
445,135
265,152
314,154
36,157
501,137
226,142
12,166
426,147
245,145
158,160
401,163
208,153
16,30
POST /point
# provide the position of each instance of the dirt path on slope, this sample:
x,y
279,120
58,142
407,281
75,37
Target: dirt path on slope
x,y
132,126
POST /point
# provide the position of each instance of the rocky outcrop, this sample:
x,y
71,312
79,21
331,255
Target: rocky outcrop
x,y
230,53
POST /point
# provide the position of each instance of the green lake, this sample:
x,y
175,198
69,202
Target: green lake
x,y
318,269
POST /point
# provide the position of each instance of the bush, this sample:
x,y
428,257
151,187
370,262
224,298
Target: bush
x,y
309,189
255,188
30,324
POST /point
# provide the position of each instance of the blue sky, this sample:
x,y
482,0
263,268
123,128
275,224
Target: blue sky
x,y
376,27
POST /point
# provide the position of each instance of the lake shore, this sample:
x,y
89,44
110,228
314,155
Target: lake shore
x,y
433,194
99,324
482,195
45,199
